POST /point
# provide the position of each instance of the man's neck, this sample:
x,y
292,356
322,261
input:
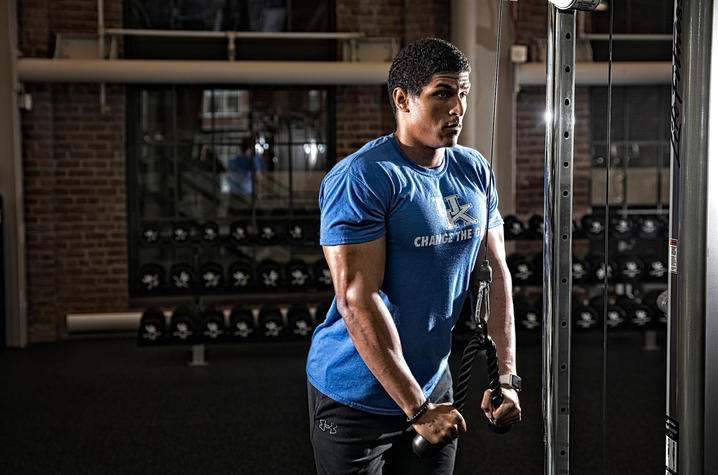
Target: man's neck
x,y
422,155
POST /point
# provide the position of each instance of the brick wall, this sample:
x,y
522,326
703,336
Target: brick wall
x,y
74,180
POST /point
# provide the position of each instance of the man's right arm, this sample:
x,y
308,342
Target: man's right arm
x,y
358,272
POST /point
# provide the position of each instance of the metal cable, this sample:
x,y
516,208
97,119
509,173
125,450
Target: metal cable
x,y
605,241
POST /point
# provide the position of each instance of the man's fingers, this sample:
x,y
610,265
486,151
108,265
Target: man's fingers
x,y
486,404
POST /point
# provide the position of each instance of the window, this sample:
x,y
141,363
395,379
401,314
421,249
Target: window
x,y
215,157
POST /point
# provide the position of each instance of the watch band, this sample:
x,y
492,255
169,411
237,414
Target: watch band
x,y
511,380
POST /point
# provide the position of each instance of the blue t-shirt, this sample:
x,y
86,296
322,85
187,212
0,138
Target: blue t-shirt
x,y
433,220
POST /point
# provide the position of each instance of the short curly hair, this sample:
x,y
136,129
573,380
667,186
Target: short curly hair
x,y
415,64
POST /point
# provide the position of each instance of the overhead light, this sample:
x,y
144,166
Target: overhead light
x,y
602,6
575,4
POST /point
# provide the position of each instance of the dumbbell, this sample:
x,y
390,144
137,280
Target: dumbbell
x,y
656,269
211,276
577,231
598,267
535,227
296,232
240,275
181,233
210,232
151,278
592,226
621,227
580,270
212,326
615,315
239,232
648,227
268,232
320,313
182,277
522,272
269,274
150,235
638,315
322,275
271,324
241,324
297,274
630,268
650,300
183,325
152,327
585,318
528,317
513,228
299,323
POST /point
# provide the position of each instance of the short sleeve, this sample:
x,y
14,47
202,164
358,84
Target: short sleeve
x,y
351,212
495,218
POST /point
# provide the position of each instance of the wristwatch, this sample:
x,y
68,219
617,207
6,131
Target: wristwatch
x,y
511,380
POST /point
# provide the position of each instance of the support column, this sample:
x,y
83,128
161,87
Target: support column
x,y
692,371
11,179
558,212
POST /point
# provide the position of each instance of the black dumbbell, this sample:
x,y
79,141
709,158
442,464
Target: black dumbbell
x,y
513,228
181,233
621,227
239,232
268,232
593,226
241,276
212,325
320,313
150,235
585,318
648,227
296,232
182,277
152,327
580,270
151,278
299,323
577,231
210,232
598,268
271,324
639,316
528,317
183,325
211,276
656,269
241,324
616,316
269,275
650,299
535,227
630,268
322,275
298,276
522,272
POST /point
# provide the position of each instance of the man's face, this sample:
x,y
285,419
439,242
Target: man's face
x,y
434,116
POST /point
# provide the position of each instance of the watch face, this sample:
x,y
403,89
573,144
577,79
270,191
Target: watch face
x,y
516,382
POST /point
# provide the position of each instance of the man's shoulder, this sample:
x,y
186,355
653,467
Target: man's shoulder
x,y
371,158
474,156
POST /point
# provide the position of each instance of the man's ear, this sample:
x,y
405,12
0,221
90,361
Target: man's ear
x,y
401,99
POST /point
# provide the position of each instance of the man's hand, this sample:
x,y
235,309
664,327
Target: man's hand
x,y
440,424
508,413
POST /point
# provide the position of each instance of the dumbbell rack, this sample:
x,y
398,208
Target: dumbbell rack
x,y
198,269
633,243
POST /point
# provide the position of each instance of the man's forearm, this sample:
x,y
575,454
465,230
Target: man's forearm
x,y
374,334
501,321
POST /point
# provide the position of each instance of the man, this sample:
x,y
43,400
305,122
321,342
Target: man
x,y
402,224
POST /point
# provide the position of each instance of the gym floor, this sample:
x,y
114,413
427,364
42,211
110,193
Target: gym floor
x,y
108,406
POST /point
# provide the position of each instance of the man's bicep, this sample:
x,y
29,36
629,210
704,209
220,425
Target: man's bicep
x,y
359,264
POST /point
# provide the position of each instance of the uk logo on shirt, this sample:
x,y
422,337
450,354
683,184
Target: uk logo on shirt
x,y
454,211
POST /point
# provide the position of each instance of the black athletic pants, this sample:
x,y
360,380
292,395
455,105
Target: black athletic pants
x,y
349,441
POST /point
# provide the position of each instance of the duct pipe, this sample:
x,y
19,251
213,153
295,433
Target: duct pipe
x,y
197,72
103,322
596,74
